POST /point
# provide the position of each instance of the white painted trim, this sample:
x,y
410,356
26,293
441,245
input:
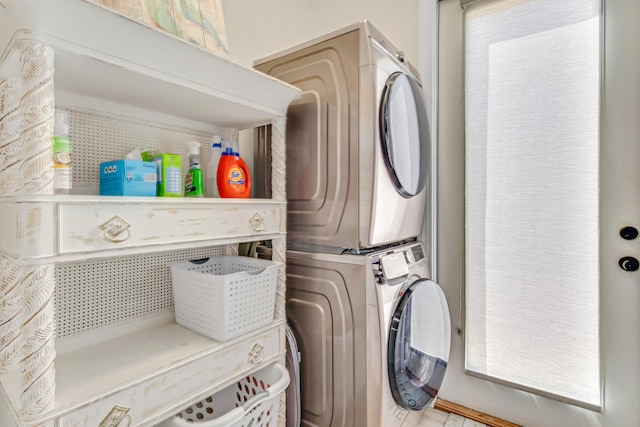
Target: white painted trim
x,y
428,68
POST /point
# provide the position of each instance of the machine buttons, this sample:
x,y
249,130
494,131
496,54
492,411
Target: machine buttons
x,y
377,272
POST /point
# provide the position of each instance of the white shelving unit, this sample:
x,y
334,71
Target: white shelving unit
x,y
87,333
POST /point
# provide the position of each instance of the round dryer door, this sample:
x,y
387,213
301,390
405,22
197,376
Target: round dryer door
x,y
418,348
404,132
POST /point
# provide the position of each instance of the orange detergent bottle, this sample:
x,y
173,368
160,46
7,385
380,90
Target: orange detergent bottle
x,y
233,175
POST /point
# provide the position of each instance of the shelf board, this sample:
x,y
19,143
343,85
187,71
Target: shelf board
x,y
185,202
124,61
83,373
140,359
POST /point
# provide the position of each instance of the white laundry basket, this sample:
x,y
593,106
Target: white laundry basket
x,y
225,296
254,401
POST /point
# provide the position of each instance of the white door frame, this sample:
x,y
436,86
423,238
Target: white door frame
x,y
443,68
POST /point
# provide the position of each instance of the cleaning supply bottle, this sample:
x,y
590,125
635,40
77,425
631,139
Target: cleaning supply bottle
x,y
233,175
193,182
211,180
61,153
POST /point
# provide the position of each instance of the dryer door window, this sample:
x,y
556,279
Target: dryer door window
x,y
418,348
404,132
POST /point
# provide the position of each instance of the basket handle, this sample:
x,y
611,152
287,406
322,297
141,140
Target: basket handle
x,y
230,418
256,272
249,404
199,261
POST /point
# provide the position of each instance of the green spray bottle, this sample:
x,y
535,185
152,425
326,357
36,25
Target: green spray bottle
x,y
193,180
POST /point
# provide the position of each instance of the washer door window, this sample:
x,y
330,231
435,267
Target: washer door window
x,y
404,133
418,348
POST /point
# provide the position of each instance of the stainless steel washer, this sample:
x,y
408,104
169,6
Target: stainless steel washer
x,y
374,335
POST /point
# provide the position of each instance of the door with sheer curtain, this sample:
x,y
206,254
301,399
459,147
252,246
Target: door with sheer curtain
x,y
539,200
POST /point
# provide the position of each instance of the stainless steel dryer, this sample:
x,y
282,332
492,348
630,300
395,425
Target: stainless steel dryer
x,y
357,142
374,335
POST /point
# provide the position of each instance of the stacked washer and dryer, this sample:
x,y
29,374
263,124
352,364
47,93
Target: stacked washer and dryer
x,y
373,329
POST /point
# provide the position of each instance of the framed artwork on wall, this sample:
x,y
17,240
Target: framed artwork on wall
x,y
200,22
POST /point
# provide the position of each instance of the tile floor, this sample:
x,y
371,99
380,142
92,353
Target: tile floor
x,y
437,418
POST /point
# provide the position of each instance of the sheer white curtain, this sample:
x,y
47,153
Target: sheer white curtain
x,y
532,79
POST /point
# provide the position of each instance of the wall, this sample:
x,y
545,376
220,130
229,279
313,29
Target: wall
x,y
258,28
397,20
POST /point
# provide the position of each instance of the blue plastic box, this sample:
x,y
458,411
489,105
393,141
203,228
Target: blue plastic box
x,y
128,178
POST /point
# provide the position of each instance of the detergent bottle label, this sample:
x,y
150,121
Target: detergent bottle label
x,y
236,176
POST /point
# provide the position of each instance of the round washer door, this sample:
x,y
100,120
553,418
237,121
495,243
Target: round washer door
x,y
418,348
404,132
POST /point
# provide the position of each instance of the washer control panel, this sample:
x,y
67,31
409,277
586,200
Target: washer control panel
x,y
414,254
393,267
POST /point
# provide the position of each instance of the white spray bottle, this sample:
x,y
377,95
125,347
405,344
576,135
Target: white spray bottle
x,y
211,182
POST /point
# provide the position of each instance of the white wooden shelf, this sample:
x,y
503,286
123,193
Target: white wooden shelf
x,y
97,64
69,227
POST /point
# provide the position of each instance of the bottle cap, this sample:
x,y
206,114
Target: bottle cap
x,y
194,148
228,148
61,123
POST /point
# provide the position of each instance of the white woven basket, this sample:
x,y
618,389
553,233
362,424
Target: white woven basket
x,y
226,296
254,401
